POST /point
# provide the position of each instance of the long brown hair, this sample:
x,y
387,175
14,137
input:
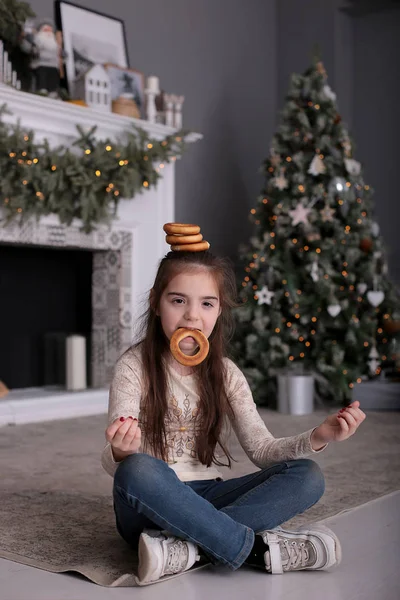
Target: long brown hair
x,y
213,405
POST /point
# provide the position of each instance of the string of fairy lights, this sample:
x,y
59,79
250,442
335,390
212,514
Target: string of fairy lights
x,y
258,260
109,188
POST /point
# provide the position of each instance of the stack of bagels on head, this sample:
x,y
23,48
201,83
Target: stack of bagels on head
x,y
185,237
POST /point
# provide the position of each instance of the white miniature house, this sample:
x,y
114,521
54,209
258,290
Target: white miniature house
x,y
93,86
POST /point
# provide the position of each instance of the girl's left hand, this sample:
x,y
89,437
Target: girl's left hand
x,y
340,426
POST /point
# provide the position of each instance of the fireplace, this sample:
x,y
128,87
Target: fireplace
x,y
87,275
46,295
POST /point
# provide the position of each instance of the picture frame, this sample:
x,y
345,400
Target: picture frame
x,y
125,81
90,37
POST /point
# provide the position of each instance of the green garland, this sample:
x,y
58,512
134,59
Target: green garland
x,y
85,182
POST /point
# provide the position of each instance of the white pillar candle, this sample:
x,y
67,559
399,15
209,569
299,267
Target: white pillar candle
x,y
5,63
9,72
153,84
1,61
76,363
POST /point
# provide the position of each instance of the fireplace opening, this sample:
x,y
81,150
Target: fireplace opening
x,y
45,296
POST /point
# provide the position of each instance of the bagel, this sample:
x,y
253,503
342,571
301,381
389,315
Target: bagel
x,y
181,228
199,247
186,359
183,239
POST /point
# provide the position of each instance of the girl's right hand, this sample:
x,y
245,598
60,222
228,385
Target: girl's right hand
x,y
124,435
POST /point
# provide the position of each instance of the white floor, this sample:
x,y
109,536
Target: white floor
x,y
370,570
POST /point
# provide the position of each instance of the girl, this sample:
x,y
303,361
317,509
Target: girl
x,y
166,434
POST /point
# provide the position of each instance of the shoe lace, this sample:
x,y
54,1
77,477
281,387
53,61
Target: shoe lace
x,y
177,557
298,554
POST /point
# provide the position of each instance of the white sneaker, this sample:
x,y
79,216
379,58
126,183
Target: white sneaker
x,y
316,547
163,554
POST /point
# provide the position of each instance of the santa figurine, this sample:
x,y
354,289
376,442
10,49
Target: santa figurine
x,y
44,46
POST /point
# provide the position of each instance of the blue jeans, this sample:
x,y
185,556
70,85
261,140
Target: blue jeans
x,y
221,517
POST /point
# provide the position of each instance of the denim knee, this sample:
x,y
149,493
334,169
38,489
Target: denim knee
x,y
312,478
141,472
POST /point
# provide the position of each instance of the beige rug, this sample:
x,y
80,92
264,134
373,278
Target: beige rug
x,y
56,508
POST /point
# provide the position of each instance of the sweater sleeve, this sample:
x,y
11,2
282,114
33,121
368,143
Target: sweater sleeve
x,y
124,400
262,448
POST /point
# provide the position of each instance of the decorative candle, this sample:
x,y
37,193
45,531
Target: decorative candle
x,y
76,363
1,61
5,63
153,84
9,72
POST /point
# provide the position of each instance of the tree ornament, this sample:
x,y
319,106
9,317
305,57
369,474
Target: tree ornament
x,y
366,245
280,182
337,119
391,326
265,295
317,166
375,297
337,186
327,213
300,214
329,93
352,166
334,309
373,361
346,145
361,288
375,229
314,272
313,236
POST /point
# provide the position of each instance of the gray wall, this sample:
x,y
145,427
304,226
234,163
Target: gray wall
x,y
376,119
221,54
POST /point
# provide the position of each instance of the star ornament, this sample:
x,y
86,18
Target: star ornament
x,y
265,295
327,213
300,215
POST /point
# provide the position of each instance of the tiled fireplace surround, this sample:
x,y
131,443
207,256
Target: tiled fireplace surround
x,y
111,284
125,255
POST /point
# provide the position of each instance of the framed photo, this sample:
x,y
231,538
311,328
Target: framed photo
x,y
90,37
126,82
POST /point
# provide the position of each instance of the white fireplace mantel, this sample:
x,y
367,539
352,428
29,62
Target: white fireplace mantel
x,y
50,117
142,216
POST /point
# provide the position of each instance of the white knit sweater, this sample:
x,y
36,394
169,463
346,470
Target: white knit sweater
x,y
259,444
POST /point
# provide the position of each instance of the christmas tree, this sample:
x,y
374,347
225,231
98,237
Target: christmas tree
x,y
316,296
